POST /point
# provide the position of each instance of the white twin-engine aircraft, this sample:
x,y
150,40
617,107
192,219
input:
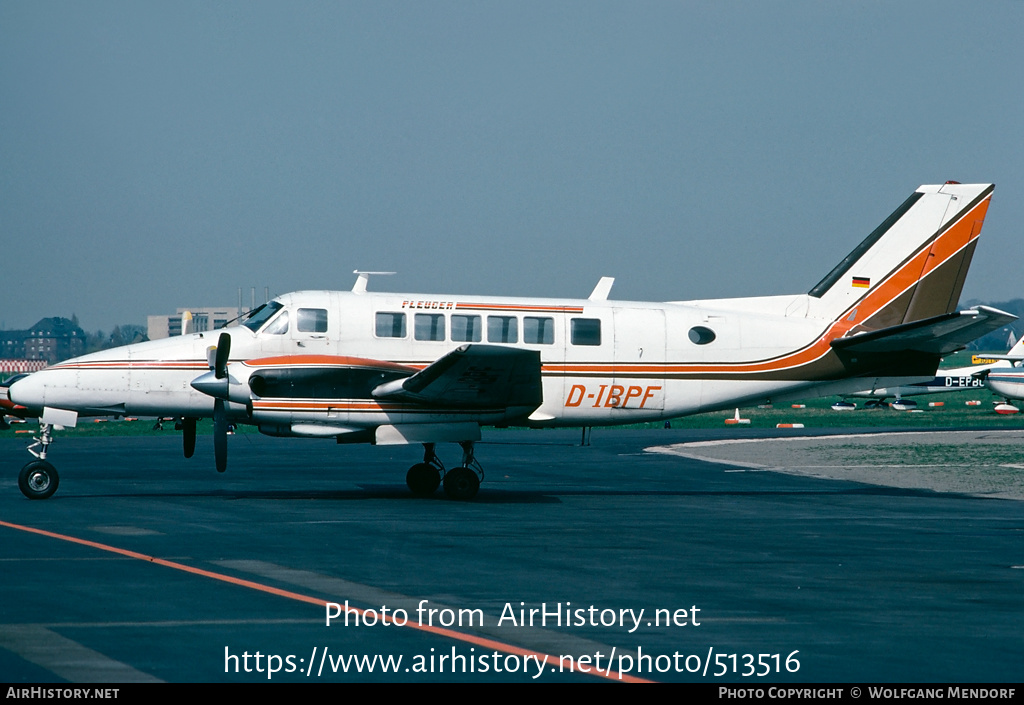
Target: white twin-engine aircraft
x,y
396,368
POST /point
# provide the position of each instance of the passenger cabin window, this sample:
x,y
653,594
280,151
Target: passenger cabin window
x,y
502,329
429,326
312,320
700,335
538,330
278,326
586,331
466,329
390,325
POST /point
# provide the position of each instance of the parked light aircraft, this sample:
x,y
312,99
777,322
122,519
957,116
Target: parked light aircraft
x,y
389,368
950,380
9,408
1007,383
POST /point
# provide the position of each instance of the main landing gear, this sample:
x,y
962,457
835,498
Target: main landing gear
x,y
39,479
424,478
461,483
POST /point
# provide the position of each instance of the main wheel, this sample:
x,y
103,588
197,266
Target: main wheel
x,y
461,484
423,479
38,480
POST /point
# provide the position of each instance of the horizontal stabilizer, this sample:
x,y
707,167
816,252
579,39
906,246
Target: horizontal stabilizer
x,y
1014,354
474,377
939,335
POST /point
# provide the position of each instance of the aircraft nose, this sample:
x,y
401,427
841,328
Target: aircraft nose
x,y
29,392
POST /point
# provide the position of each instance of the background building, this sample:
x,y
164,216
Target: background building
x,y
50,340
203,319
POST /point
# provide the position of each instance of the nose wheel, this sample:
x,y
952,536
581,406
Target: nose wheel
x,y
38,480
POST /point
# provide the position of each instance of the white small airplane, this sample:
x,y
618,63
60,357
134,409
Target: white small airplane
x,y
950,380
390,368
1006,382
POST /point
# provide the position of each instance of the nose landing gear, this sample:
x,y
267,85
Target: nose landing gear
x,y
39,479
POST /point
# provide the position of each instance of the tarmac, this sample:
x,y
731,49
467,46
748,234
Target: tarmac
x,y
985,463
763,562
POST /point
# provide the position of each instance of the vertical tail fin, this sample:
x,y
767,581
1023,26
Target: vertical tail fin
x,y
912,266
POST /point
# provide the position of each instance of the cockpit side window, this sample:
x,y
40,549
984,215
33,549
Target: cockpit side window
x,y
261,315
278,326
312,320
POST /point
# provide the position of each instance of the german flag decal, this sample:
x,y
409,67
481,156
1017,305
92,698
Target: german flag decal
x,y
862,282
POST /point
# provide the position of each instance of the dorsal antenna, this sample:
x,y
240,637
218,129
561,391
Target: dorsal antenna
x,y
363,279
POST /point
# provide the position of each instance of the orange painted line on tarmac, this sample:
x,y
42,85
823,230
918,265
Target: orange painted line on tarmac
x,y
439,631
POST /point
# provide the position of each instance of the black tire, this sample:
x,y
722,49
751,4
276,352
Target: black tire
x,y
188,436
461,484
38,480
423,479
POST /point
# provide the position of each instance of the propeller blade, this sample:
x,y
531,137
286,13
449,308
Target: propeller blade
x,y
220,367
220,435
188,436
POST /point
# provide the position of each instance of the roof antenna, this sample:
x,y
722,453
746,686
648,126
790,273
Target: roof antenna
x,y
603,288
364,277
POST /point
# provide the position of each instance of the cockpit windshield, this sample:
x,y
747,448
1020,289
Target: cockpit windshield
x,y
261,315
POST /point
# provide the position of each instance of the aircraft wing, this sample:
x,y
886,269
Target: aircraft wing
x,y
474,377
939,335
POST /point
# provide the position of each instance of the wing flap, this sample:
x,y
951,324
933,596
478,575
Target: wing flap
x,y
474,377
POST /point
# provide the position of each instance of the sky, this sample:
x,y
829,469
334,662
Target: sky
x,y
158,155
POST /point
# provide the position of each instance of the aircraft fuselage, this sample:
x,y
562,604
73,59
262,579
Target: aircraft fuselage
x,y
1008,384
603,362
